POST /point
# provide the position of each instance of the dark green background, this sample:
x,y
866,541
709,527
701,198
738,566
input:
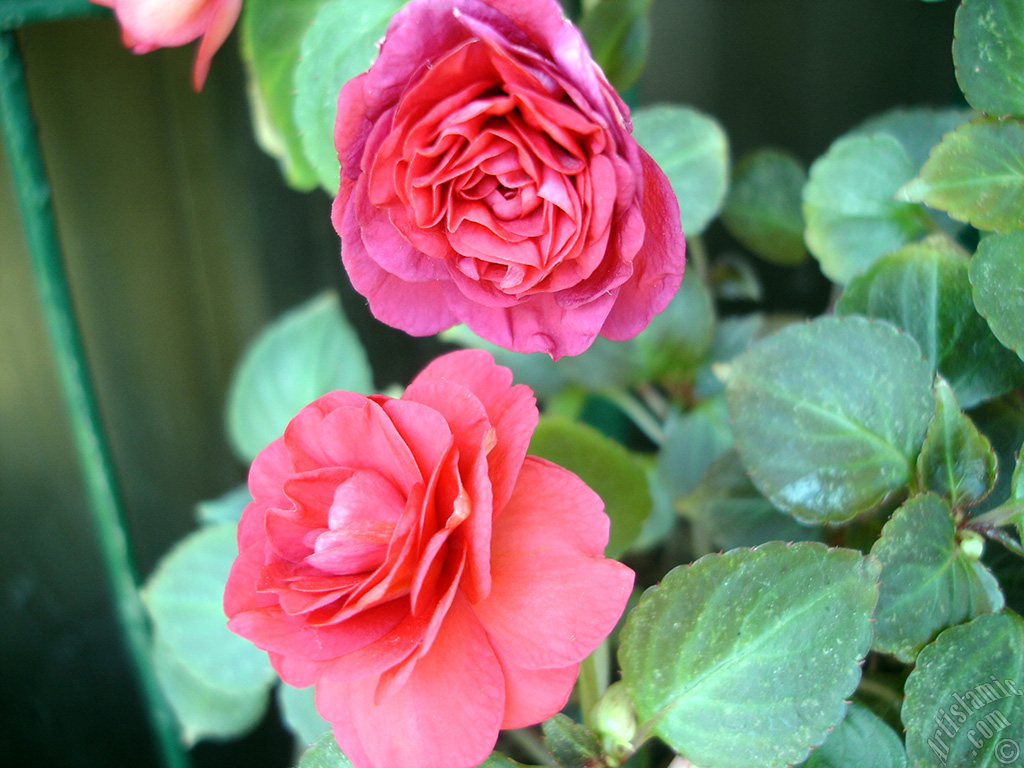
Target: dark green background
x,y
182,241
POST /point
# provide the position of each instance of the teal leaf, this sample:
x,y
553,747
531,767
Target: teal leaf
x,y
763,642
324,754
270,33
615,474
726,511
205,711
997,280
976,175
988,51
298,711
693,151
829,416
957,462
927,582
572,744
618,35
307,352
340,45
917,129
849,204
964,702
185,597
226,508
763,210
924,290
861,739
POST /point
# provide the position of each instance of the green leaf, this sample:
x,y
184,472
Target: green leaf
x,y
964,702
727,511
618,34
340,45
270,33
498,760
226,508
204,711
917,129
572,744
324,754
997,279
928,583
957,461
924,289
849,206
304,354
829,416
693,151
861,739
1002,422
976,175
731,336
614,473
988,50
764,642
763,210
298,711
693,440
185,596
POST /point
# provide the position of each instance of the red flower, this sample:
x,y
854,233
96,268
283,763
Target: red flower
x,y
150,24
488,177
434,582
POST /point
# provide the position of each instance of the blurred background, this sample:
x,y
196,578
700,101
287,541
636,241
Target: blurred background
x,y
182,240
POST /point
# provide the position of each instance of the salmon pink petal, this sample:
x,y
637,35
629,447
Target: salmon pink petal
x,y
554,597
219,26
512,411
534,695
448,713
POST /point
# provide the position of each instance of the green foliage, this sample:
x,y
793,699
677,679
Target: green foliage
x,y
829,416
324,754
271,32
618,34
849,206
604,465
573,745
217,682
928,583
764,642
976,175
226,508
693,151
763,210
298,711
861,739
988,49
924,289
339,45
963,703
307,352
997,278
956,461
205,711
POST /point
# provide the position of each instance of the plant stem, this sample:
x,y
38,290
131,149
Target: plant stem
x,y
638,413
594,680
40,226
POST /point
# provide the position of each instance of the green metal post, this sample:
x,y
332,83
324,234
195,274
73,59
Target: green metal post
x,y
33,192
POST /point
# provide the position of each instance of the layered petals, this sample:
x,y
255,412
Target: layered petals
x,y
407,558
488,176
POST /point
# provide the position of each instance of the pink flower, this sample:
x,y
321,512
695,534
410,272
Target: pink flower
x,y
150,24
407,558
488,176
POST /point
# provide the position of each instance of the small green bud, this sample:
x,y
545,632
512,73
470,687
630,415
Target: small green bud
x,y
972,543
614,721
